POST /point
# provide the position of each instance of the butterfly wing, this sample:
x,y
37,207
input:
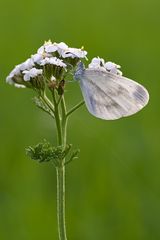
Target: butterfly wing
x,y
109,96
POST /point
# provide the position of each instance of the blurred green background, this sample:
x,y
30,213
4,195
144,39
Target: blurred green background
x,y
113,190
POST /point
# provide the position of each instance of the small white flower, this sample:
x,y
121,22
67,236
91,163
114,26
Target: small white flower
x,y
53,47
61,48
97,64
37,58
110,65
41,54
28,64
74,53
40,50
50,48
53,61
34,72
113,68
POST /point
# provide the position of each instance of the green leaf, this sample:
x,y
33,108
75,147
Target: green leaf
x,y
42,105
45,152
73,156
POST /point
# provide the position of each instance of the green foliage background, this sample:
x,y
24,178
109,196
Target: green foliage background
x,y
113,190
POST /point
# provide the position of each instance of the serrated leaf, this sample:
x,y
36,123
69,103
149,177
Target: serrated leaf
x,y
44,152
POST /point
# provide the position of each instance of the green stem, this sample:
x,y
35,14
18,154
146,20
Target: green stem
x,y
61,202
48,102
61,129
75,108
61,123
58,121
64,121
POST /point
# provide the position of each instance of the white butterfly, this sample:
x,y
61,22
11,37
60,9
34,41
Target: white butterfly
x,y
110,96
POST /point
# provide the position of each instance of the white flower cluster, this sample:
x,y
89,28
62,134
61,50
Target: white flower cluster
x,y
33,72
63,50
55,54
100,64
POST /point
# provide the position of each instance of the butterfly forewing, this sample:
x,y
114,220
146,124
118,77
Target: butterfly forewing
x,y
109,96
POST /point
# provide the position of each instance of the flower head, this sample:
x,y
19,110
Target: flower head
x,y
52,60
